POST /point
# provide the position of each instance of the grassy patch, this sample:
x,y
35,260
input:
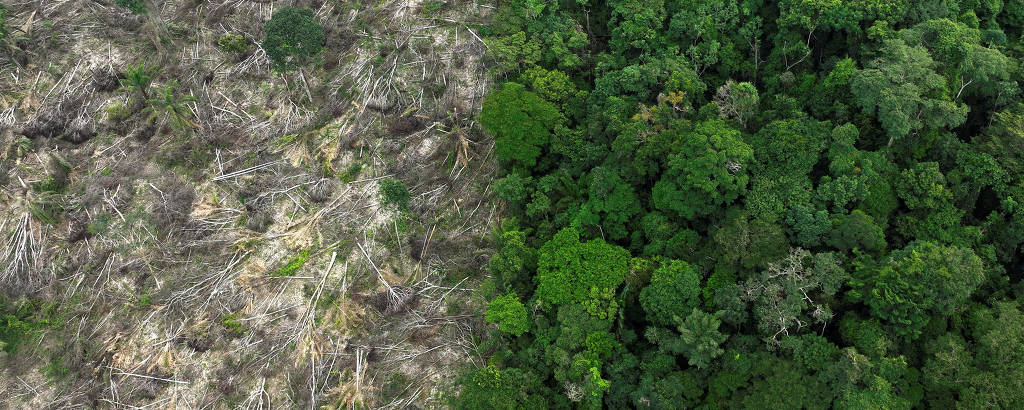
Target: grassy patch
x,y
396,385
117,112
100,225
285,141
293,265
55,371
432,7
351,172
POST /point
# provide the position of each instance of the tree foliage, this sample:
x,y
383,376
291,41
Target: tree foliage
x,y
839,182
673,291
708,170
173,107
699,337
138,79
522,122
568,269
909,96
509,313
919,281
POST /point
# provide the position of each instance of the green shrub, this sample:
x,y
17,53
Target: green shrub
x,y
45,210
135,6
394,192
50,184
351,172
20,324
396,385
100,225
432,7
293,38
58,179
117,112
178,30
233,43
173,107
138,79
56,371
234,326
22,146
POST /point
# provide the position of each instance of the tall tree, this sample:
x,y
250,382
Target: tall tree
x,y
568,270
919,281
674,290
909,96
709,170
791,295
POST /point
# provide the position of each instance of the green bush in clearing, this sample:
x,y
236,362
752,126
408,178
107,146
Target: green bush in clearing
x,y
351,172
394,192
233,325
135,6
19,325
117,112
100,225
293,38
233,43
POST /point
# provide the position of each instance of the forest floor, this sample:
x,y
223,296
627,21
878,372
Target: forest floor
x,y
312,240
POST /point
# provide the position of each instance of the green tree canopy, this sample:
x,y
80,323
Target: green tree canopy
x,y
494,388
674,290
698,339
918,281
857,230
636,26
514,263
985,369
522,122
509,313
708,171
567,269
902,86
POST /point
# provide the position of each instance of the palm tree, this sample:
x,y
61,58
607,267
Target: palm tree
x,y
138,79
173,107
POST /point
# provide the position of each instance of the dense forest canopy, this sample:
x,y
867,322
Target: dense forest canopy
x,y
756,204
